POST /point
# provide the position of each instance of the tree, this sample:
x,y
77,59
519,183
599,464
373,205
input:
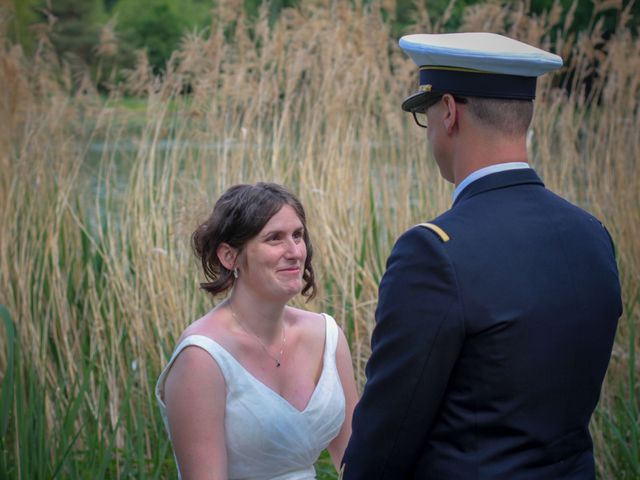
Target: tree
x,y
75,29
22,13
158,26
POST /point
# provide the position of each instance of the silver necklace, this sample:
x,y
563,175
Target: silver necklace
x,y
249,332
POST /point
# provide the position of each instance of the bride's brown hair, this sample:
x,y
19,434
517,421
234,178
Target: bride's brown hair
x,y
238,216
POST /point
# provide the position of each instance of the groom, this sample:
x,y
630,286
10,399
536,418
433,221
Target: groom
x,y
495,321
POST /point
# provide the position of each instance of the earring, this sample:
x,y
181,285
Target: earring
x,y
235,273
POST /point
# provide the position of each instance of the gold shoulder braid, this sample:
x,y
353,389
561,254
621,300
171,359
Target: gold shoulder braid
x,y
436,229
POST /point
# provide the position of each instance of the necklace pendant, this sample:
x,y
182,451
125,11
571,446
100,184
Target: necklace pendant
x,y
277,364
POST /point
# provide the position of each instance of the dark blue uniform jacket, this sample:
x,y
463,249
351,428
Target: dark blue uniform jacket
x,y
490,348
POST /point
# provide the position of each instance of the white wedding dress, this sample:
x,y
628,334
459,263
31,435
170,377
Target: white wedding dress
x,y
267,437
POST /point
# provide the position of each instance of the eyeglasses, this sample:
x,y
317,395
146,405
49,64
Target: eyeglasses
x,y
420,116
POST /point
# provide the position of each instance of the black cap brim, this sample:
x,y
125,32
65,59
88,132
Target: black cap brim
x,y
416,101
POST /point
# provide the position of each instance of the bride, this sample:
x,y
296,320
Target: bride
x,y
256,389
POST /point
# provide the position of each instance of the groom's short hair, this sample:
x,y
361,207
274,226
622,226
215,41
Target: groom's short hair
x,y
510,117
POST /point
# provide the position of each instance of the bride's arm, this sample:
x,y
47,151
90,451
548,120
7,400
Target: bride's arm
x,y
345,370
195,396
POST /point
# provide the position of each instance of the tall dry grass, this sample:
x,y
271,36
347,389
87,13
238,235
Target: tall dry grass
x,y
97,202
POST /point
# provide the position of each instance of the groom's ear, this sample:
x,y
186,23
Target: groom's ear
x,y
451,115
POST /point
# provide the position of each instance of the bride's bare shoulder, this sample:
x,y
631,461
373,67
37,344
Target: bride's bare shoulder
x,y
306,322
213,324
298,314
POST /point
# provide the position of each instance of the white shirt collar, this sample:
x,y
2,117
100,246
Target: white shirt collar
x,y
483,172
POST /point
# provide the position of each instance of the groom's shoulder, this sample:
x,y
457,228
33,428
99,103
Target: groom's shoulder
x,y
436,229
442,227
445,233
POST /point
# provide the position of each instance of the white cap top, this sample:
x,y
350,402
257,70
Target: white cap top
x,y
483,51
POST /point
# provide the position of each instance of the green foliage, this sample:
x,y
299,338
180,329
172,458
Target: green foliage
x,y
6,396
621,422
24,14
324,467
75,28
585,14
158,31
84,442
252,7
406,13
158,27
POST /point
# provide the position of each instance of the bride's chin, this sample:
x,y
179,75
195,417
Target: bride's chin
x,y
294,290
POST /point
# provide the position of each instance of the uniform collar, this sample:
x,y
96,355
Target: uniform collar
x,y
499,179
483,172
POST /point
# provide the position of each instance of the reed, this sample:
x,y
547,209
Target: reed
x,y
97,202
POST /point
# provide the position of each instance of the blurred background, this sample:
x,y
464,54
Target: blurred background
x,y
122,121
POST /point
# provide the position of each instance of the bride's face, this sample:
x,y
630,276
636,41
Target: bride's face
x,y
273,261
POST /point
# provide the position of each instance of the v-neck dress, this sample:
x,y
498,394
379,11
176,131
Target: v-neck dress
x,y
267,437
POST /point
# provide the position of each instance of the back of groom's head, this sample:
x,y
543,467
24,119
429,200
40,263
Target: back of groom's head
x,y
509,117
